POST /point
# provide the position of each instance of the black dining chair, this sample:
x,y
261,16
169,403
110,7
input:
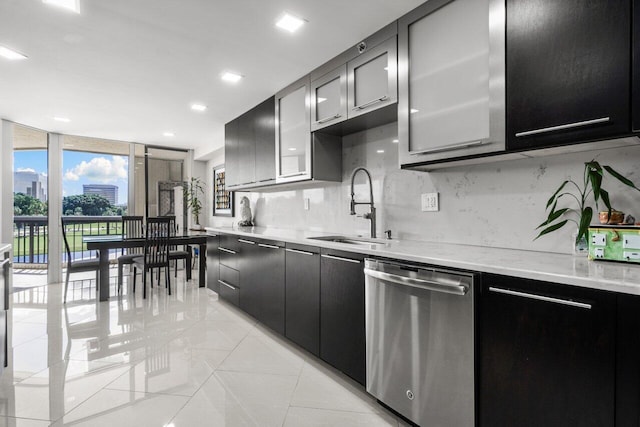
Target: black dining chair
x,y
176,254
76,266
132,228
156,253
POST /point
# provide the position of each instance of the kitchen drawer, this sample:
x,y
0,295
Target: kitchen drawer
x,y
229,280
228,257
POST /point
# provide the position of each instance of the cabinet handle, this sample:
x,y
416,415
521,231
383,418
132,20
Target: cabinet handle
x,y
291,174
370,103
328,119
449,147
229,251
339,258
264,245
563,127
248,242
222,282
297,251
541,298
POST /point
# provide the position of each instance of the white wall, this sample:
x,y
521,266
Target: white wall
x,y
498,204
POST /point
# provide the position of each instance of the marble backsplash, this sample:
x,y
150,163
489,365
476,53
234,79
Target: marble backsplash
x,y
497,204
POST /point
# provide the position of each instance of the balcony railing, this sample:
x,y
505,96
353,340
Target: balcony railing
x,y
31,237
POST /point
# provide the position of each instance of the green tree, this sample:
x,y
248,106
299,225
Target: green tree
x,y
28,205
85,204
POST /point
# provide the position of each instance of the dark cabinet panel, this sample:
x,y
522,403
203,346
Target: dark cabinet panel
x,y
635,73
568,71
342,334
627,357
250,277
231,154
213,263
246,148
229,289
302,280
265,141
270,285
547,354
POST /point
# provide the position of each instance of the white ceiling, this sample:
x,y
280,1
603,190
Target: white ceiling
x,y
129,69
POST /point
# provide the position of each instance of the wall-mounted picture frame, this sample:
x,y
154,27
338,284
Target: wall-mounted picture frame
x,y
222,198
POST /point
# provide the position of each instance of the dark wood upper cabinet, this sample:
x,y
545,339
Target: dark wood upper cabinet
x,y
264,122
547,354
568,71
231,154
250,147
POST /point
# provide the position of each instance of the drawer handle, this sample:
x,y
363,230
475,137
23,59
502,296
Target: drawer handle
x,y
222,282
264,245
328,119
370,103
248,242
339,258
450,147
229,251
297,251
563,127
541,298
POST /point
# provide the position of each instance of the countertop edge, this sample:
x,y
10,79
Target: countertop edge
x,y
544,266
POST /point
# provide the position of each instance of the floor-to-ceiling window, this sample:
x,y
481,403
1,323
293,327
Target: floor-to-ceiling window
x,y
95,194
30,207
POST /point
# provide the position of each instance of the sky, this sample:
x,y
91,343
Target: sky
x,y
79,168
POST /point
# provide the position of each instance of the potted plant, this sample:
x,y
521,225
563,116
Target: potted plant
x,y
192,196
591,185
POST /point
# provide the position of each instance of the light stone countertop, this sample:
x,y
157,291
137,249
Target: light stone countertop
x,y
546,266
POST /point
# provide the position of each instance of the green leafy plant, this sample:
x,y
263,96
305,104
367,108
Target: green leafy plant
x,y
590,186
195,188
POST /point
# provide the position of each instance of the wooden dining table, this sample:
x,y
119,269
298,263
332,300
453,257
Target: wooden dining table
x,y
106,242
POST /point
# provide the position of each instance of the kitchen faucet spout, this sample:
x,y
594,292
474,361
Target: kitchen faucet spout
x,y
371,215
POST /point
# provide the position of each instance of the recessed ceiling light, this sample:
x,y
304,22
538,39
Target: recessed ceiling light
x,y
413,111
321,100
198,107
395,141
230,77
292,149
169,134
11,54
379,151
61,119
289,22
72,5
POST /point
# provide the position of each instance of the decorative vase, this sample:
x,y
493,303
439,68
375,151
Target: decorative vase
x,y
580,247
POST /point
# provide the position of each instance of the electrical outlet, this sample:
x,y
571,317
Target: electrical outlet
x,y
306,204
430,202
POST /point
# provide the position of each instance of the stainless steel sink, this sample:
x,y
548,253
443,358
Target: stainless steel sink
x,y
352,240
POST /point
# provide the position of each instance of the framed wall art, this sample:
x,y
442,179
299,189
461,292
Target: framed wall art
x,y
222,198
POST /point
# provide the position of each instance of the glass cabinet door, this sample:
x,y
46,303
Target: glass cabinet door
x,y
372,79
293,136
329,98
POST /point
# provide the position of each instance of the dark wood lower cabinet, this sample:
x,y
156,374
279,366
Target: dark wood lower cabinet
x,y
547,354
302,314
628,362
213,263
342,331
270,285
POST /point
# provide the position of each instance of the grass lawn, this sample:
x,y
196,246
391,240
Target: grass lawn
x,y
73,237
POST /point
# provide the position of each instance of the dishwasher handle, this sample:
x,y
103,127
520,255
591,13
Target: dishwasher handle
x,y
429,285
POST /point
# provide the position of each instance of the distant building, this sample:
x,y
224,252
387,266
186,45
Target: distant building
x,y
30,183
109,192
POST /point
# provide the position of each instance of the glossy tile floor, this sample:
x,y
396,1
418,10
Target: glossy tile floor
x,y
180,360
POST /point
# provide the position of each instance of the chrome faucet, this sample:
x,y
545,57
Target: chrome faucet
x,y
371,215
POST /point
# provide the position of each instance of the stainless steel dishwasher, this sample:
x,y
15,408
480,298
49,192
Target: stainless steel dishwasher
x,y
420,341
